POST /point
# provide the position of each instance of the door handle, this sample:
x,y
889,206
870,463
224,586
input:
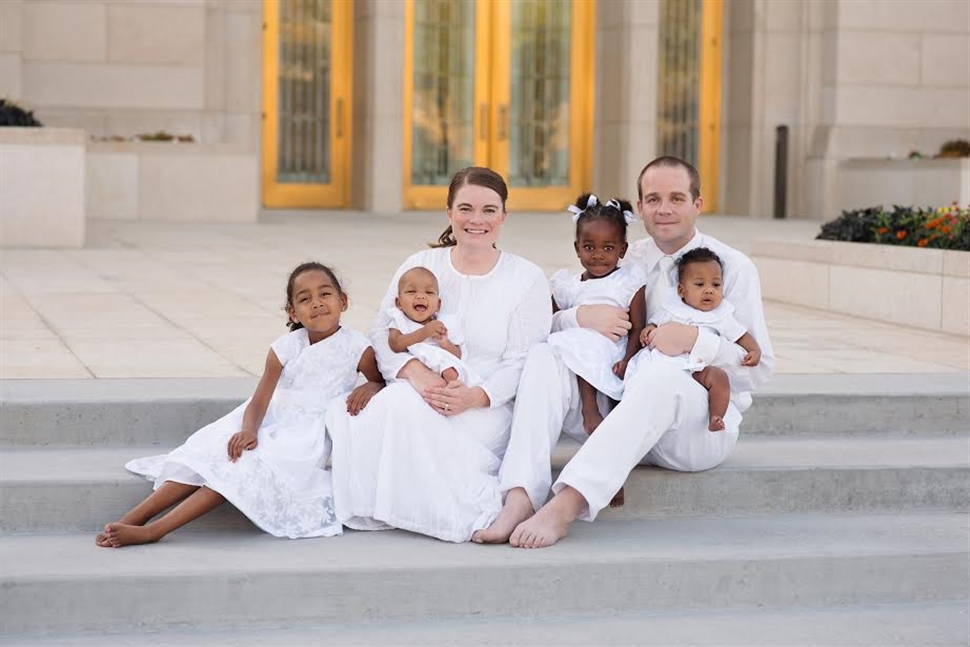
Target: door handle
x,y
340,118
503,122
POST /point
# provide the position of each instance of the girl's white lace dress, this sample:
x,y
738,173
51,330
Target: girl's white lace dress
x,y
586,352
281,485
429,352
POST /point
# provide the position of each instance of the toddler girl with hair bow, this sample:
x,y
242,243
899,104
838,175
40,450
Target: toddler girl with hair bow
x,y
598,362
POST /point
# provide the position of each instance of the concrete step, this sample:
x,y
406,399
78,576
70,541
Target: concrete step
x,y
63,490
56,583
909,625
164,412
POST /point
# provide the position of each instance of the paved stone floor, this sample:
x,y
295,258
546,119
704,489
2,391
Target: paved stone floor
x,y
153,299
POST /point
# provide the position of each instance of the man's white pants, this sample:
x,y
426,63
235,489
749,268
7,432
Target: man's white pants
x,y
662,420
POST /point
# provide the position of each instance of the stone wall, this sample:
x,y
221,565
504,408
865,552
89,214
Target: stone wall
x,y
117,67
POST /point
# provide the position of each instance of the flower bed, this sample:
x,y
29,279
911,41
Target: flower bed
x,y
943,228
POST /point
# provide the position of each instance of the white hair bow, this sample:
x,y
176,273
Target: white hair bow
x,y
591,201
627,214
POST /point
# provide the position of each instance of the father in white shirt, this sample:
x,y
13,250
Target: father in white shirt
x,y
663,416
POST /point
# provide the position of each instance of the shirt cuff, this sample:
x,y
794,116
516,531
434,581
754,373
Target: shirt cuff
x,y
565,319
705,348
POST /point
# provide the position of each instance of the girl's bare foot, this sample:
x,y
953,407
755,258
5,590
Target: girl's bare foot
x,y
591,420
617,501
517,508
121,534
102,539
717,423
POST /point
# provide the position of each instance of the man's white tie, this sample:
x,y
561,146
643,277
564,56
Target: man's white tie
x,y
662,286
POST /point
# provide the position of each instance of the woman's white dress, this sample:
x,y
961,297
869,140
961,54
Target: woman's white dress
x,y
586,352
720,320
281,485
399,463
429,352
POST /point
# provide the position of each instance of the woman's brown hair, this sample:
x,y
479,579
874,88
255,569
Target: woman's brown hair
x,y
477,176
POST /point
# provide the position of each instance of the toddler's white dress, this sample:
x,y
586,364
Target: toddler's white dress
x,y
720,320
429,352
586,352
281,485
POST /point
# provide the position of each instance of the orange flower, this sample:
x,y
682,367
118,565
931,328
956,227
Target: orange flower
x,y
922,242
945,229
900,234
882,230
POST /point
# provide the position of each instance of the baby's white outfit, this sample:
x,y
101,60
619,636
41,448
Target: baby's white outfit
x,y
586,352
720,321
429,352
281,484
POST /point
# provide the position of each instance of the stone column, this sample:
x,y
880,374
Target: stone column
x,y
376,180
626,94
11,49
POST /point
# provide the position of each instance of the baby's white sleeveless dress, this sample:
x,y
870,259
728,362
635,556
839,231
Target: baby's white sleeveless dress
x,y
429,353
281,485
586,352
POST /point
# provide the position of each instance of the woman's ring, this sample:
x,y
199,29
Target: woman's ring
x,y
447,407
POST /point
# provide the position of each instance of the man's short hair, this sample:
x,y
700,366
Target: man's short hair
x,y
669,161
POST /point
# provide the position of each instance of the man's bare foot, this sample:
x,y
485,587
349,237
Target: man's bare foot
x,y
617,501
717,423
551,523
591,420
121,534
517,508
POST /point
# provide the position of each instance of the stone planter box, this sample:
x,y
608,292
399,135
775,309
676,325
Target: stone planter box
x,y
920,183
41,187
924,288
172,181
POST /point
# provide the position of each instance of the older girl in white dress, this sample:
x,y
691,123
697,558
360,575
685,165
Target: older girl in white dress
x,y
598,362
267,456
424,455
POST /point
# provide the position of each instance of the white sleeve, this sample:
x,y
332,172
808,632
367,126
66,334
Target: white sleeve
x,y
389,362
559,285
286,347
529,325
743,288
565,319
730,328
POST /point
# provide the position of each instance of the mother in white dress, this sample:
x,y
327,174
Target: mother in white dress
x,y
424,455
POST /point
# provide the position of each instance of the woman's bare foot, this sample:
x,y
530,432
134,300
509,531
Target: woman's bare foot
x,y
591,419
517,508
617,501
121,534
717,423
551,523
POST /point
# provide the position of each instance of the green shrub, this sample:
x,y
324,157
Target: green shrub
x,y
943,228
13,115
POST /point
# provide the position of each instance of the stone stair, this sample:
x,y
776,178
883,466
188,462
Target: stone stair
x,y
841,518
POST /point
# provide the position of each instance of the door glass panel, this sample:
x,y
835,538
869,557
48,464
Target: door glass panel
x,y
443,103
538,116
305,69
678,100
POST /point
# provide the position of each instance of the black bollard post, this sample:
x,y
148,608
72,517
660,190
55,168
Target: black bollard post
x,y
781,170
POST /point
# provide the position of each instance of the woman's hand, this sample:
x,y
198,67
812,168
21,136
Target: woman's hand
x,y
240,441
455,398
360,396
611,321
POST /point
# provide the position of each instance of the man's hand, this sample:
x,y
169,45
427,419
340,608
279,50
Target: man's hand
x,y
673,339
435,330
610,321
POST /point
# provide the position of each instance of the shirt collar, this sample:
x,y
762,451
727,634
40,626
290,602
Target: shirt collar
x,y
654,254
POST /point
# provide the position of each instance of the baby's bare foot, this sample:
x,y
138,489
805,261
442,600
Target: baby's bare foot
x,y
449,374
121,534
617,501
517,508
717,423
591,420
